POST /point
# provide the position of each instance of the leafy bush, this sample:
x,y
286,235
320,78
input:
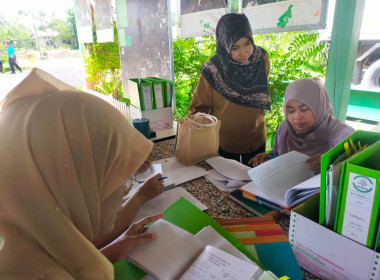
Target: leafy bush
x,y
293,55
102,67
189,55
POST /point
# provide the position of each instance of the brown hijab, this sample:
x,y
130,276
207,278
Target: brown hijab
x,y
316,139
64,158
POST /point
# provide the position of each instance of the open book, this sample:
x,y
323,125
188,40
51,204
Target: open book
x,y
178,254
282,182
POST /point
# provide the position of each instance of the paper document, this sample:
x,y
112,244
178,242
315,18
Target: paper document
x,y
161,202
224,183
143,176
179,173
229,168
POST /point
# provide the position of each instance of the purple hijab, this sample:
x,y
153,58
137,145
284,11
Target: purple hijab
x,y
241,83
316,139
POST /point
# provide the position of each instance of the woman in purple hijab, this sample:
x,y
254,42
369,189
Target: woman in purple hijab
x,y
309,126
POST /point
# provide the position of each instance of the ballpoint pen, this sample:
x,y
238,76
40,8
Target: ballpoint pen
x,y
161,178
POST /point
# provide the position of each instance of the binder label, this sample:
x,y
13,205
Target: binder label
x,y
147,98
358,209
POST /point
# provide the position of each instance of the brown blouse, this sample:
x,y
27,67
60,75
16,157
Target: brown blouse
x,y
242,128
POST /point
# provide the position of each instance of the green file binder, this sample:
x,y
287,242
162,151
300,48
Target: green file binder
x,y
365,137
187,216
159,93
359,197
169,91
146,95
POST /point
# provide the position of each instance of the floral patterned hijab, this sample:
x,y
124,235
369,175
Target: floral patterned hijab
x,y
241,83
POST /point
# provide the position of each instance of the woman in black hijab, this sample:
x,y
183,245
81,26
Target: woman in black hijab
x,y
234,88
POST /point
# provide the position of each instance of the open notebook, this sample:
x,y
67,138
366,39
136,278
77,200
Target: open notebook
x,y
282,182
178,254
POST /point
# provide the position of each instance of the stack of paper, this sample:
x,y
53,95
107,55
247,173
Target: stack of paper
x,y
227,175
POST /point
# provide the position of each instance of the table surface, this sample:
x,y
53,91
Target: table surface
x,y
220,206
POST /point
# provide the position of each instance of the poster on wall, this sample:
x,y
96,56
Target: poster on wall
x,y
272,16
84,21
144,40
103,20
199,17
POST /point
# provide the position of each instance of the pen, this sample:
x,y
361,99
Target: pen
x,y
161,178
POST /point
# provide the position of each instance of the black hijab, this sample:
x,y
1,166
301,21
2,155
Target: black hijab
x,y
241,83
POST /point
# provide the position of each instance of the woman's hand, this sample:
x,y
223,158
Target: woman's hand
x,y
151,188
314,163
144,166
258,159
132,237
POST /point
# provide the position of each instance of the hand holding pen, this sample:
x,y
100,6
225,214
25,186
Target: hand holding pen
x,y
151,187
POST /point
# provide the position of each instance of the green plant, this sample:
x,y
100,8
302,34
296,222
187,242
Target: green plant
x,y
293,55
102,67
189,55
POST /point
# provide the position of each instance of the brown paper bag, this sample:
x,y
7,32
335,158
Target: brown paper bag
x,y
197,138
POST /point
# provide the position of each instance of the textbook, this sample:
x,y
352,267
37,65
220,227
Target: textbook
x,y
282,182
178,254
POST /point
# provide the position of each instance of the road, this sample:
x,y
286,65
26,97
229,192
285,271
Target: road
x,y
68,69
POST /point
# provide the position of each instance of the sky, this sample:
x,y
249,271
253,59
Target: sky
x,y
59,7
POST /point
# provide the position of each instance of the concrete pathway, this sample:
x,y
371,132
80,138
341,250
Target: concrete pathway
x,y
69,69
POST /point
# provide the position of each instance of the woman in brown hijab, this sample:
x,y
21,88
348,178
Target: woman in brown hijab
x,y
233,87
65,156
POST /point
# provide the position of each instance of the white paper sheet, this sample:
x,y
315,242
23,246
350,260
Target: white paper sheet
x,y
229,168
179,173
164,200
223,183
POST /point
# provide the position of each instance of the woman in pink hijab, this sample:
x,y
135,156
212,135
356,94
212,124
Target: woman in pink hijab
x,y
65,157
309,126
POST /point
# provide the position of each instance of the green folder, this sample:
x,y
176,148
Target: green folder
x,y
365,137
159,92
146,95
169,91
359,197
187,216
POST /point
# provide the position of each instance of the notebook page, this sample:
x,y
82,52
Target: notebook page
x,y
281,172
168,255
208,235
213,263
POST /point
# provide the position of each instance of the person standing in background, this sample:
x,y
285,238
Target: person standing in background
x,y
12,58
233,87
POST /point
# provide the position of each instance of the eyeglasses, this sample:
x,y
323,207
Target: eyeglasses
x,y
128,185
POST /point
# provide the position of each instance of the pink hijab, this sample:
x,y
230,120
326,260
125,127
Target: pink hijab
x,y
65,156
316,139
